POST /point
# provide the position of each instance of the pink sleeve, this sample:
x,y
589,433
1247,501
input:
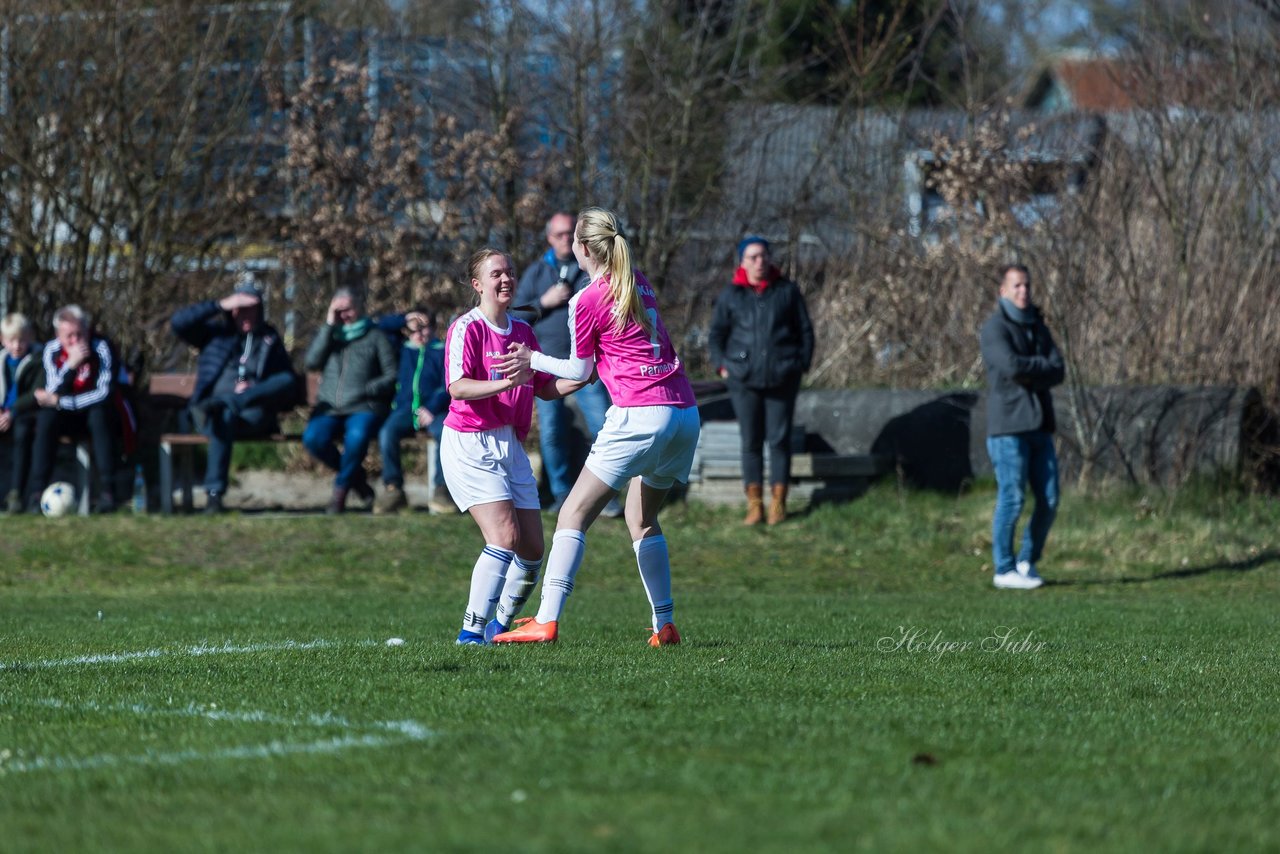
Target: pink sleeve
x,y
583,325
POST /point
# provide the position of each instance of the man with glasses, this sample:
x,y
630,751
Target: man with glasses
x,y
420,403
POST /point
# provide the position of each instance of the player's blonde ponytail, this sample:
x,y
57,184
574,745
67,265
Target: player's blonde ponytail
x,y
600,231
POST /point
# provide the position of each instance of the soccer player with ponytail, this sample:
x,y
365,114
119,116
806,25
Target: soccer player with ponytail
x,y
649,434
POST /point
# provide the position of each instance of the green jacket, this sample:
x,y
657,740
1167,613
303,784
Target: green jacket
x,y
356,376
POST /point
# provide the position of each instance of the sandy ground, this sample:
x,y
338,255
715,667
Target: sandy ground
x,y
273,490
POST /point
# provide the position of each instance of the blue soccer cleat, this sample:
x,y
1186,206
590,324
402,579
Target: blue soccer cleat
x,y
493,628
466,638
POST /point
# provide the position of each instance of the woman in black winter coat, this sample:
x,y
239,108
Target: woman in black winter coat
x,y
761,343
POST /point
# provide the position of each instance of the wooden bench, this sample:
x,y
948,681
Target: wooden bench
x,y
717,467
177,450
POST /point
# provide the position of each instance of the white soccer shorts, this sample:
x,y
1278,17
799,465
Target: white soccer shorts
x,y
480,468
655,442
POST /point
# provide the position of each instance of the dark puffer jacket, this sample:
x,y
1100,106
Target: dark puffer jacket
x,y
763,340
207,326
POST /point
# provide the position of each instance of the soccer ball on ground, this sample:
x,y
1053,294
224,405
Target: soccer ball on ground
x,y
58,499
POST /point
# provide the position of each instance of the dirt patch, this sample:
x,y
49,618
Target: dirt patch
x,y
299,491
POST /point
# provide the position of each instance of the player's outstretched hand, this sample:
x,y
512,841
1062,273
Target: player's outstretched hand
x,y
520,377
518,359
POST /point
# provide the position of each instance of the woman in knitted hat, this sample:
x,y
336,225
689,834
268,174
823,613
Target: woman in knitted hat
x,y
761,343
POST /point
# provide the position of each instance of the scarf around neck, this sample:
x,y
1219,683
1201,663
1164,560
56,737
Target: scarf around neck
x,y
1028,316
352,331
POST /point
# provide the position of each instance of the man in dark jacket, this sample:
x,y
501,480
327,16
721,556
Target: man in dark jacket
x,y
357,379
20,375
244,378
79,396
1023,364
420,403
546,287
761,342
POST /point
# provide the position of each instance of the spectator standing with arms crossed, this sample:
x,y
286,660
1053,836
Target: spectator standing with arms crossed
x,y
545,289
761,344
20,375
358,376
244,377
649,435
1023,365
484,461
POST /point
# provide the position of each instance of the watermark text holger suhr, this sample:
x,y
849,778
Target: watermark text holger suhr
x,y
1004,639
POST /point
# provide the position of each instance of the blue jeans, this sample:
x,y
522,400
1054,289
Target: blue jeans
x,y
555,433
1019,459
254,415
357,432
398,425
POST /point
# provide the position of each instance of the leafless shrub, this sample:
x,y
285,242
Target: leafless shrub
x,y
123,137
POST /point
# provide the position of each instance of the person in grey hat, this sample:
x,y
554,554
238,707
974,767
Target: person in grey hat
x,y
244,377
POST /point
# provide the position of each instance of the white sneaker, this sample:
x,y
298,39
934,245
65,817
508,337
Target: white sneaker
x,y
1016,581
1024,567
613,510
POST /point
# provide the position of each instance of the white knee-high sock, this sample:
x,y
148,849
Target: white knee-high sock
x,y
655,573
567,549
521,578
486,583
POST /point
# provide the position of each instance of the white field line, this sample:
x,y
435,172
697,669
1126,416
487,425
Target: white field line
x,y
250,751
373,734
201,649
410,730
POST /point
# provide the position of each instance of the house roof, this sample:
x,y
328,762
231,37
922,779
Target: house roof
x,y
1099,85
818,167
1096,84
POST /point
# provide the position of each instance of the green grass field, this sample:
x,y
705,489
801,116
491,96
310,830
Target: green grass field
x,y
848,681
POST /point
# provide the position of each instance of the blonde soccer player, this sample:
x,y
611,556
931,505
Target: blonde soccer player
x,y
649,433
481,451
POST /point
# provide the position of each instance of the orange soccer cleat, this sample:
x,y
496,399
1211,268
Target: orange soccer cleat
x,y
528,630
665,636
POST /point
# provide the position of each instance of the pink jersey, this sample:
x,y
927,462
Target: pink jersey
x,y
472,346
637,368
